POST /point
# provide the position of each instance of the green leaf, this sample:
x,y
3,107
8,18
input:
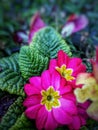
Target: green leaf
x,y
31,63
84,128
89,68
23,123
14,112
92,124
47,42
10,76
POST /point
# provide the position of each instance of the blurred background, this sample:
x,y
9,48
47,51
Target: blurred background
x,y
15,16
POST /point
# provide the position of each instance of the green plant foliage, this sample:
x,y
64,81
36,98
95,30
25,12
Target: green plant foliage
x,y
31,63
83,128
88,66
48,42
23,123
92,124
10,76
14,112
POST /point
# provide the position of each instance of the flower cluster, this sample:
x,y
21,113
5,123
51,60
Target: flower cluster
x,y
73,24
89,89
50,97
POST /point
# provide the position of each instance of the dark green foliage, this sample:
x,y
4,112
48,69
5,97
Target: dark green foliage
x,y
10,77
92,124
23,123
84,128
31,63
48,42
88,66
14,112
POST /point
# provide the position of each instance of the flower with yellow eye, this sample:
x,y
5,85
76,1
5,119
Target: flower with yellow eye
x,y
89,89
67,67
49,101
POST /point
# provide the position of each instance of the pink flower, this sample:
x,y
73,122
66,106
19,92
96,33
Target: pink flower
x,y
49,100
67,67
79,120
36,24
73,24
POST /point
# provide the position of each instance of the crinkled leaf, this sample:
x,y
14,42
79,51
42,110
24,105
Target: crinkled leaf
x,y
23,123
10,76
14,112
31,63
48,42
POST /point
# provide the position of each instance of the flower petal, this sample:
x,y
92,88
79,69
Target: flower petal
x,y
31,112
81,94
82,78
80,23
61,116
55,80
62,58
32,100
74,63
69,96
68,29
84,105
45,77
68,106
75,124
36,24
41,118
51,123
63,82
65,89
83,120
36,82
30,90
52,65
80,69
92,110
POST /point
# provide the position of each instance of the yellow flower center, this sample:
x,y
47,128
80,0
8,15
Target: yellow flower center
x,y
66,73
50,98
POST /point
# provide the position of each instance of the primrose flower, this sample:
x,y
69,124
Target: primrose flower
x,y
79,120
67,67
92,110
89,89
73,24
50,101
36,24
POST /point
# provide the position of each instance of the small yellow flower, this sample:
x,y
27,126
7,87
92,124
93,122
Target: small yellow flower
x,y
92,110
66,73
89,89
50,98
